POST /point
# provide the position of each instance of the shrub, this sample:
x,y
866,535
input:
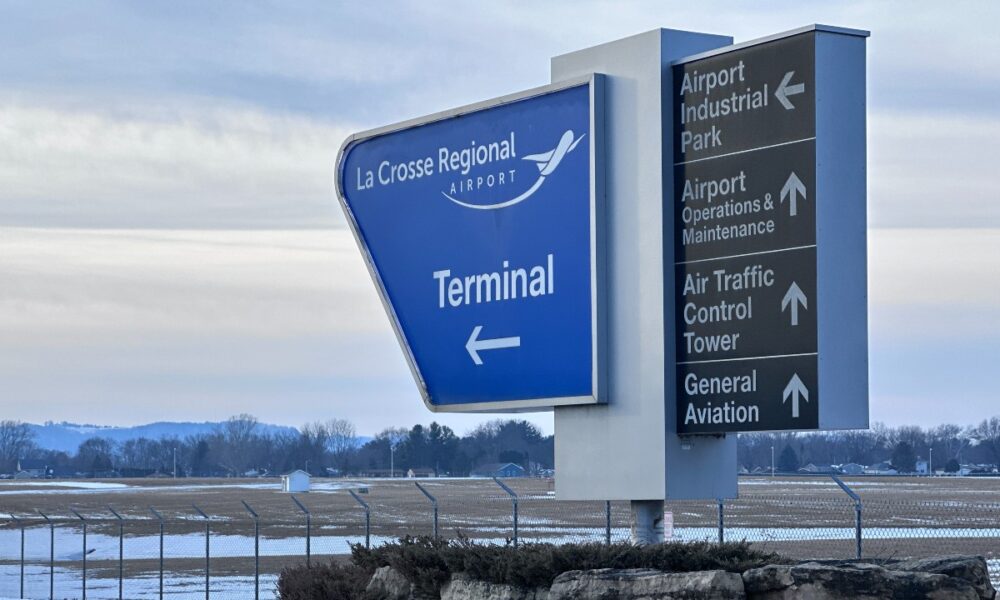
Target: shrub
x,y
429,563
319,582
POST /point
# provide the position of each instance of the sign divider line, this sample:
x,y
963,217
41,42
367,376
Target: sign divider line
x,y
688,162
719,360
699,260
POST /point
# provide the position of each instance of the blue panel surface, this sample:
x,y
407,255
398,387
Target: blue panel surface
x,y
479,229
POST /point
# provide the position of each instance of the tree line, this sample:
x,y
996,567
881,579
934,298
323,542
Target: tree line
x,y
241,447
947,446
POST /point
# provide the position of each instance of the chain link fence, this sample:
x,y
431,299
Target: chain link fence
x,y
104,552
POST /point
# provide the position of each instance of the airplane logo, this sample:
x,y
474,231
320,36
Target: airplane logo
x,y
547,162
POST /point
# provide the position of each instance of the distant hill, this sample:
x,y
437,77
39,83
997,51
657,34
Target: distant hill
x,y
68,436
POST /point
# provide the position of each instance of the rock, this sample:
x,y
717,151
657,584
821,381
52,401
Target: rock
x,y
389,584
970,568
851,581
646,584
463,588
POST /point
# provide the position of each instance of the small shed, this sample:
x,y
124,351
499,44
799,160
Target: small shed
x,y
296,481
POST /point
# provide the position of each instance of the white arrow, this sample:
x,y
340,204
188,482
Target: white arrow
x,y
795,389
474,345
784,90
794,297
792,189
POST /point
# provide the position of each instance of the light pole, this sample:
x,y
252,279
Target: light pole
x,y
930,461
392,459
772,461
175,463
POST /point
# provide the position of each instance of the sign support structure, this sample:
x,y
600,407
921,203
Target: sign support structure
x,y
628,449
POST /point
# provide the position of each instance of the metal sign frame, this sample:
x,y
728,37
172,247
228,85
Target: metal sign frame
x,y
595,83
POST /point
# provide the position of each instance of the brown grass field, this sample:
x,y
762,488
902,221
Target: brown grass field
x,y
797,516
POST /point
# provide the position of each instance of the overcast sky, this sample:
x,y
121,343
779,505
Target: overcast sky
x,y
171,249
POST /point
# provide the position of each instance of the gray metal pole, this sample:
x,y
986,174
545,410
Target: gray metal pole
x,y
84,582
722,520
52,554
256,550
513,499
208,553
160,518
368,517
857,513
21,527
434,504
308,529
857,526
607,522
121,552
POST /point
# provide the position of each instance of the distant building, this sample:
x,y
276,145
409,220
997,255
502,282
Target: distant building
x,y
420,472
882,468
296,481
852,469
499,470
31,468
812,469
923,468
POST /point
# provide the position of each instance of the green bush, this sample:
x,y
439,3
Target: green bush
x,y
429,563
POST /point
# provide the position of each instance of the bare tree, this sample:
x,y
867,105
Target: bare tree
x,y
238,435
987,434
341,441
16,440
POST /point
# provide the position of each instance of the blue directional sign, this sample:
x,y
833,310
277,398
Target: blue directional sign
x,y
480,227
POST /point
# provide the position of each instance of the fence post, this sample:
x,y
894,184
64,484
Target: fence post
x,y
52,554
79,516
121,552
256,550
857,513
434,503
21,527
607,522
513,499
160,518
722,520
368,518
208,554
308,529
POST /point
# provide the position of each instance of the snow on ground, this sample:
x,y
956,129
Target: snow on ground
x,y
69,541
84,487
67,584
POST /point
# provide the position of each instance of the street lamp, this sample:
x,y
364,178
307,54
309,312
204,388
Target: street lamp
x,y
392,459
772,461
175,463
930,462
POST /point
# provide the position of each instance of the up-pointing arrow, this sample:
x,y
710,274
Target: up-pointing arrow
x,y
792,189
474,345
794,296
794,390
784,90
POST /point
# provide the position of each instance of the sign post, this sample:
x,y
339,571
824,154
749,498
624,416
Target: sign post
x,y
665,246
769,235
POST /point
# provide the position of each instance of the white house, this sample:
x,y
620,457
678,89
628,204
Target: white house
x,y
296,481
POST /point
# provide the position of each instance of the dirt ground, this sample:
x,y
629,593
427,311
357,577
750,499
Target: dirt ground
x,y
786,512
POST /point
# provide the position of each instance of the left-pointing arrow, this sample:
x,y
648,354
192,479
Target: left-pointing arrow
x,y
786,89
475,345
